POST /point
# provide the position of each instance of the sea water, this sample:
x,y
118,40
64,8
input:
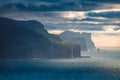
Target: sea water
x,y
100,65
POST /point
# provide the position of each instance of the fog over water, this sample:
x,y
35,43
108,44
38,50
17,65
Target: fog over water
x,y
103,64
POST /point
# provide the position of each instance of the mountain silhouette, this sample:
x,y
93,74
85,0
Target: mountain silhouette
x,y
29,39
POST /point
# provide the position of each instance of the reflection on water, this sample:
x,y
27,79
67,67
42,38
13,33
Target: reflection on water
x,y
102,65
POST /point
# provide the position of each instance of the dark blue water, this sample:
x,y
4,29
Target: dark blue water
x,y
103,65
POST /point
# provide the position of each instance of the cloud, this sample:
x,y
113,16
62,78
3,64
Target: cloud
x,y
65,20
106,14
71,15
59,5
111,28
55,31
104,1
98,19
54,1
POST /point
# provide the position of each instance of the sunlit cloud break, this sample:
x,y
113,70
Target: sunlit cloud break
x,y
111,28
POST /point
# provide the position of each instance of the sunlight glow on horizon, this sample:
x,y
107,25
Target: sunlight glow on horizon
x,y
106,41
100,38
75,14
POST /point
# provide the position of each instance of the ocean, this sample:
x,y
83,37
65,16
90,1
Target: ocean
x,y
94,65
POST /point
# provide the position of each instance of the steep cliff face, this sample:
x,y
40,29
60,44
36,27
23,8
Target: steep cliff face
x,y
83,39
19,42
89,43
29,39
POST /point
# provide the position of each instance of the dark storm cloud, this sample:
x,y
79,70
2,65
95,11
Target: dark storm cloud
x,y
51,6
107,14
105,1
91,19
55,1
59,5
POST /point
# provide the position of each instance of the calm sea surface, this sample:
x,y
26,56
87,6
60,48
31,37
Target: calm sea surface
x,y
102,65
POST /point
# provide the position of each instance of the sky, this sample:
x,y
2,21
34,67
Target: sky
x,y
99,17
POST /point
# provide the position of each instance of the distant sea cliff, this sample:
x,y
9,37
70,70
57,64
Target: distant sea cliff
x,y
84,39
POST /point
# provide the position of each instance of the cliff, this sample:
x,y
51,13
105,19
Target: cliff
x,y
29,39
83,39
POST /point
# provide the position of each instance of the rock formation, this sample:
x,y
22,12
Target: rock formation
x,y
29,39
84,39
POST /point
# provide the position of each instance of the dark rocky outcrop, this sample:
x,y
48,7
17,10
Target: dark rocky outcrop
x,y
83,39
29,39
